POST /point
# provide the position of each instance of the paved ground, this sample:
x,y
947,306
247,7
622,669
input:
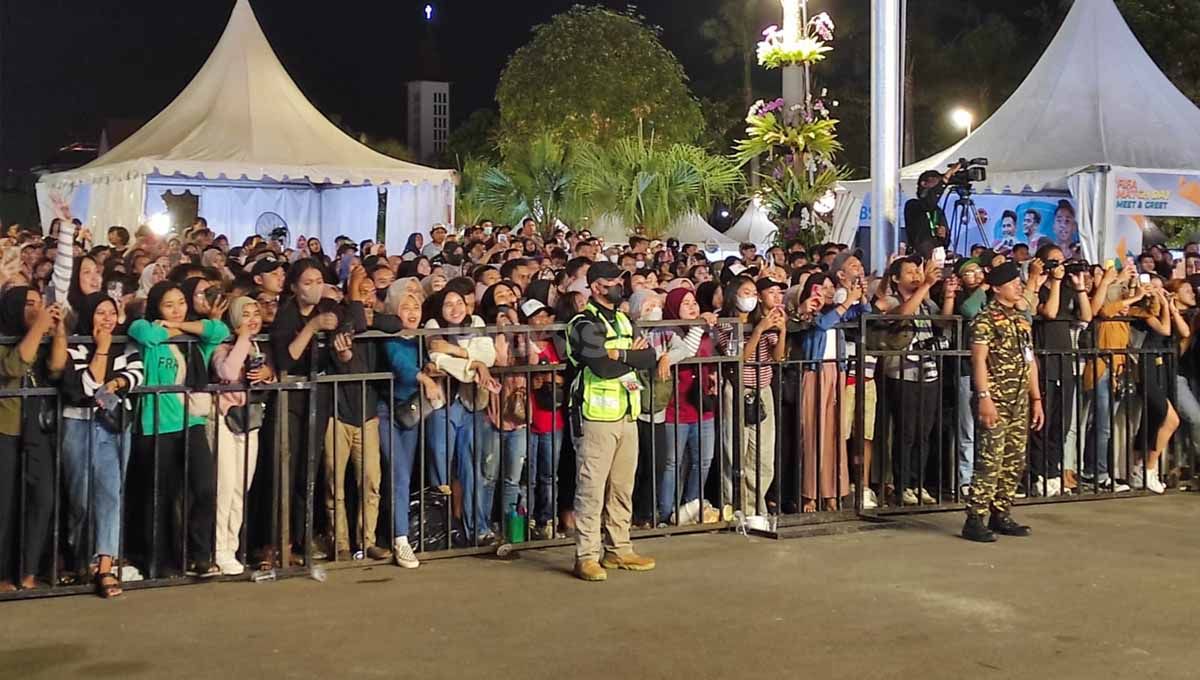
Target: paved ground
x,y
1103,590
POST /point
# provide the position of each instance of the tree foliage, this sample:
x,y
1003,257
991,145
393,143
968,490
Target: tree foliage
x,y
533,181
475,138
650,186
595,75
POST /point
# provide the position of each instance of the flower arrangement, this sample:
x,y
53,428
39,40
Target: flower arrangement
x,y
799,141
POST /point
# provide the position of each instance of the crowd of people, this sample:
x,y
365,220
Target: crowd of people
x,y
118,347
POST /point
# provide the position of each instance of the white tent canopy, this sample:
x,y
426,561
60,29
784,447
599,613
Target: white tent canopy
x,y
754,226
690,228
1094,99
243,126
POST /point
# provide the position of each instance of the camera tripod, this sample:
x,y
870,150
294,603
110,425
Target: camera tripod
x,y
961,218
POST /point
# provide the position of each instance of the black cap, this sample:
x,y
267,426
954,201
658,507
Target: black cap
x,y
602,270
764,284
1003,274
266,265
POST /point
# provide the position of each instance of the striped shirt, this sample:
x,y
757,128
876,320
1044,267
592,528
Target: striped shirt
x,y
759,373
80,386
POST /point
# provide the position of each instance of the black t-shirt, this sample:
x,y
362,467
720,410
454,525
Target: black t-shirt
x,y
1054,335
921,222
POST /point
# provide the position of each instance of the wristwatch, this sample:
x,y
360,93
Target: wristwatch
x,y
983,394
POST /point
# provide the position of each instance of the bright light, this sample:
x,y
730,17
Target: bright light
x,y
428,12
724,213
962,119
160,223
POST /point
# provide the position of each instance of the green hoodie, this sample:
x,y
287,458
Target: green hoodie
x,y
162,365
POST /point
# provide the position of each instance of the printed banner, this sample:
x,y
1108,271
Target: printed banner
x,y
1156,194
1006,220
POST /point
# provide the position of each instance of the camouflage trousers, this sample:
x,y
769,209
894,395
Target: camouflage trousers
x,y
1000,455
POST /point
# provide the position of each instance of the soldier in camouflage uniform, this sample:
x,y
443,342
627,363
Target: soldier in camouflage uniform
x,y
1007,394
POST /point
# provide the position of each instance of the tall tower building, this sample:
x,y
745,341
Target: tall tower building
x,y
428,118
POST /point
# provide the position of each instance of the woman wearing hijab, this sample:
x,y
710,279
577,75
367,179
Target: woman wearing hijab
x,y
171,429
97,419
239,420
690,432
26,438
412,247
400,443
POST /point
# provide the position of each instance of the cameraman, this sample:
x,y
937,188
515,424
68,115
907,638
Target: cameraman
x,y
924,219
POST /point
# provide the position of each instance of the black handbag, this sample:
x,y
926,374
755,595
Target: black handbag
x,y
753,406
246,418
408,413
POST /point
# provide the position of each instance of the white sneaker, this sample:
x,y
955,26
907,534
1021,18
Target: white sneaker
x,y
909,497
404,555
1053,487
869,500
1135,477
231,567
1153,483
688,513
1036,486
926,499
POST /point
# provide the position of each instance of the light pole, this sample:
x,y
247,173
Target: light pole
x,y
886,84
962,119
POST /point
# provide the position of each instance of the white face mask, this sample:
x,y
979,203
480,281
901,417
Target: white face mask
x,y
614,258
840,296
747,304
653,315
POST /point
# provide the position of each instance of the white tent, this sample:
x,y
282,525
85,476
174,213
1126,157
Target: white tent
x,y
1094,100
690,228
754,226
244,139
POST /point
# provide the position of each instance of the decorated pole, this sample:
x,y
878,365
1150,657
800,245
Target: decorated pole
x,y
885,129
794,86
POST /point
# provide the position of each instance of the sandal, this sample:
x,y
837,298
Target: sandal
x,y
268,558
107,585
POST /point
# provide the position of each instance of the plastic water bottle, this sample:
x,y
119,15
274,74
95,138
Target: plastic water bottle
x,y
263,575
318,574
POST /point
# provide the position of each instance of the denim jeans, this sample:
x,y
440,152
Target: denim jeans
x,y
479,485
1188,408
449,431
399,447
688,454
1101,405
543,467
966,432
94,462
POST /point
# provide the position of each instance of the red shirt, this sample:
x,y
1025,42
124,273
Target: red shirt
x,y
542,421
682,407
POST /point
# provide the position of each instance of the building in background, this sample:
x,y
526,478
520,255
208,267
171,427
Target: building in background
x,y
428,118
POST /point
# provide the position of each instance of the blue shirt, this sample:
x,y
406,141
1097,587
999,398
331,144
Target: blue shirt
x,y
402,357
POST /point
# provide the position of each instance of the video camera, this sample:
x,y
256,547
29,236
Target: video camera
x,y
974,170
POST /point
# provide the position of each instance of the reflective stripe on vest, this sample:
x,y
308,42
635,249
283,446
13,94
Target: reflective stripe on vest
x,y
608,400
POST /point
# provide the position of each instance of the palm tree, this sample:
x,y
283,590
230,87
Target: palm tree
x,y
468,200
534,180
651,188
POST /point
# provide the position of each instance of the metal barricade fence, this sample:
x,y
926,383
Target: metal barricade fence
x,y
448,461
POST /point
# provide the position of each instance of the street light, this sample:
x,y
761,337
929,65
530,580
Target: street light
x,y
962,119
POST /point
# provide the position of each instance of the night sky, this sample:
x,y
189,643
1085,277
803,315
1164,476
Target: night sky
x,y
70,64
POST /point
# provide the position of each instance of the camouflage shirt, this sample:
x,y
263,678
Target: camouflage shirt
x,y
1007,333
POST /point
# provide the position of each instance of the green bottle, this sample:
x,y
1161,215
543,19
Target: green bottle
x,y
517,521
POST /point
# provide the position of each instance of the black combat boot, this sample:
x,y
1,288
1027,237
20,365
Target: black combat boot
x,y
973,530
1002,523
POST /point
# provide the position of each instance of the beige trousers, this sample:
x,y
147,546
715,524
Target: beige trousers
x,y
235,474
606,462
757,448
345,443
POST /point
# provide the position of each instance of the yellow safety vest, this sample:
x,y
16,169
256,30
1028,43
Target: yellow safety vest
x,y
606,400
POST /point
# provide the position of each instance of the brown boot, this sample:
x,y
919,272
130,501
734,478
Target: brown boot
x,y
377,553
589,570
631,561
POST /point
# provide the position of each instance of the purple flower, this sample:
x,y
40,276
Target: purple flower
x,y
772,106
822,25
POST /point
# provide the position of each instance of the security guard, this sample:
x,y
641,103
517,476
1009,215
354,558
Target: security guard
x,y
1006,391
605,400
